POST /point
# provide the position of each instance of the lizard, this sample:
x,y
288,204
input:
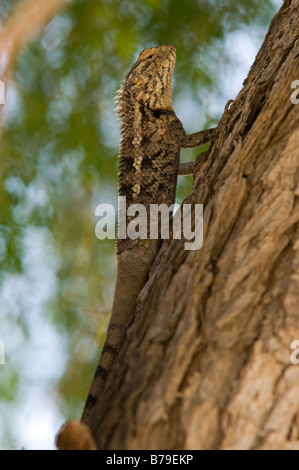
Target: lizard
x,y
149,161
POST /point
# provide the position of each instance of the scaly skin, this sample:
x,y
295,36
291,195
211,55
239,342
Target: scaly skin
x,y
152,137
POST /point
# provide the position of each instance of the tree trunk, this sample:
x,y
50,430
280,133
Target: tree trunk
x,y
206,361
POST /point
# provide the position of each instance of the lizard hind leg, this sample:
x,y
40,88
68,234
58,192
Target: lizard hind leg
x,y
132,272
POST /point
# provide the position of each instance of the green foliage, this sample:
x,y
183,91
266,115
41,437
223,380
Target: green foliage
x,y
59,158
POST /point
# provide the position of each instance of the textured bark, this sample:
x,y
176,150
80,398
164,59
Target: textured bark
x,y
206,362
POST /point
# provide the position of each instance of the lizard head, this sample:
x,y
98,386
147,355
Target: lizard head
x,y
150,79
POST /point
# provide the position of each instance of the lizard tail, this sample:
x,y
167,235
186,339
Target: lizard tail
x,y
132,272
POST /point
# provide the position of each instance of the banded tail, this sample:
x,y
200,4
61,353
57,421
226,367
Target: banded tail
x,y
132,272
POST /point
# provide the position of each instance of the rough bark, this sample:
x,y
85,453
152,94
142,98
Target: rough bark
x,y
206,362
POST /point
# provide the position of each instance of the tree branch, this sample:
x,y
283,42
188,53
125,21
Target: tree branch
x,y
23,26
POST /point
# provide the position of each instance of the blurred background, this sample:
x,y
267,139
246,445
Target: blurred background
x,y
59,141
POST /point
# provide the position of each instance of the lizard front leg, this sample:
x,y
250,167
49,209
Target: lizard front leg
x,y
199,138
195,140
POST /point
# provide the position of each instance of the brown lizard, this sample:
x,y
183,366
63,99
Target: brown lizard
x,y
152,137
